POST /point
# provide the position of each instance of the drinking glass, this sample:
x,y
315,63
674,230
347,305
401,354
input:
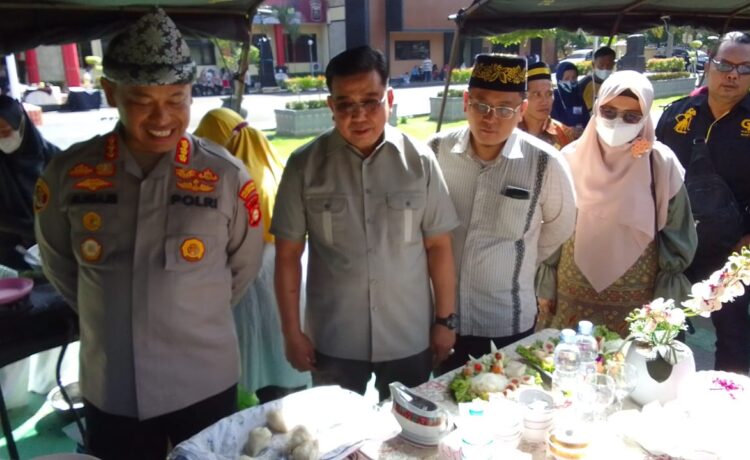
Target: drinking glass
x,y
595,394
625,376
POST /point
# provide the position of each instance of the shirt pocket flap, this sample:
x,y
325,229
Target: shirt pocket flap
x,y
405,200
320,204
188,252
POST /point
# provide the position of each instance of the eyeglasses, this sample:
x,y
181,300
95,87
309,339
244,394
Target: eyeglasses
x,y
726,67
499,111
628,116
350,108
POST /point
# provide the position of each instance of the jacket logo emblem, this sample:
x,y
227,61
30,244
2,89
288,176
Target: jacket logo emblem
x,y
683,121
745,124
192,249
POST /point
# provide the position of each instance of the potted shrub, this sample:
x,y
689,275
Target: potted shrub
x,y
302,118
669,77
454,103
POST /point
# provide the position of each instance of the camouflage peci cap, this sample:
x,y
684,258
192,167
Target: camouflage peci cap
x,y
150,52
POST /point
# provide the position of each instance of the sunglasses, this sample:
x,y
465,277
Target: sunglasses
x,y
725,67
629,117
350,108
499,111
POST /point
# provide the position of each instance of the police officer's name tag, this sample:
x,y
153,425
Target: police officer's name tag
x,y
577,110
200,201
93,198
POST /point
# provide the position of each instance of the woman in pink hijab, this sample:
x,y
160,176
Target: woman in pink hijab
x,y
634,232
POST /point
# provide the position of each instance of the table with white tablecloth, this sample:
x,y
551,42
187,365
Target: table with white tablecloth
x,y
372,431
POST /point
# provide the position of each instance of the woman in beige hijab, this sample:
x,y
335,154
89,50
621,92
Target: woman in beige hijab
x,y
634,233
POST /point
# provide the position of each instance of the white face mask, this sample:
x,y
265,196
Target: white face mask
x,y
616,132
11,143
602,74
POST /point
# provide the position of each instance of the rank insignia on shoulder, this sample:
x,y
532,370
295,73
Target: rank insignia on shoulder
x,y
182,154
105,169
192,249
110,149
195,186
93,184
41,195
91,250
92,221
80,170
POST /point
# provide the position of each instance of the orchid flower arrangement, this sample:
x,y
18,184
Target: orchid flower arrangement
x,y
658,323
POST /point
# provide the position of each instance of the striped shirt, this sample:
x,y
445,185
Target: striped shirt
x,y
515,212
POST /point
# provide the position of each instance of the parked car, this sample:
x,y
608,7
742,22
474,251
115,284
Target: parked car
x,y
579,56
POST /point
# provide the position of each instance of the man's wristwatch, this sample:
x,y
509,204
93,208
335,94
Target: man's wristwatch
x,y
450,321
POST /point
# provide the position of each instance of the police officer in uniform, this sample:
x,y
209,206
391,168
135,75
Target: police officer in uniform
x,y
151,235
710,133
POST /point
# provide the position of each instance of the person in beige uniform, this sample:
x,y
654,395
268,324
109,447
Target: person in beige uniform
x,y
374,208
151,235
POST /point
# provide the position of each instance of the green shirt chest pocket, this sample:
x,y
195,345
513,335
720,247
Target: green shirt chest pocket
x,y
93,233
195,239
405,212
326,217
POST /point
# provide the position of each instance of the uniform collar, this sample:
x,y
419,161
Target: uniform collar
x,y
162,168
701,100
390,136
511,150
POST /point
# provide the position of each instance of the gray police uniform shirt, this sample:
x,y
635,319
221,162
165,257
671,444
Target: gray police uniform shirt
x,y
152,265
515,212
368,286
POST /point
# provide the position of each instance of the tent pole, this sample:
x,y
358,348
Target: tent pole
x,y
451,66
732,15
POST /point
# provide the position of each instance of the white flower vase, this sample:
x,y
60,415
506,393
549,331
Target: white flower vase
x,y
648,389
